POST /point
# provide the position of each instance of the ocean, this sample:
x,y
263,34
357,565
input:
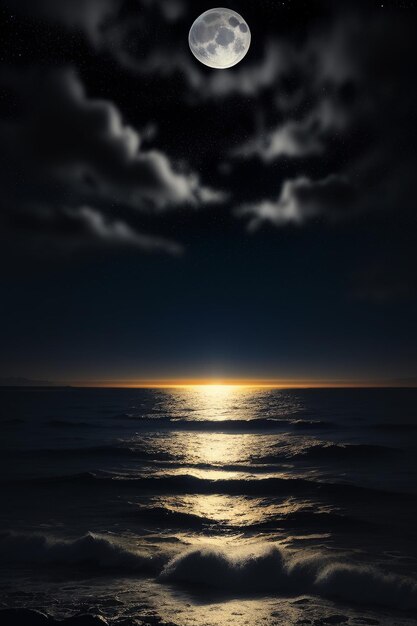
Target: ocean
x,y
209,506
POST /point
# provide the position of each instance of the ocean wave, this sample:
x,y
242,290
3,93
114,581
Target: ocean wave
x,y
341,452
395,427
317,452
270,569
312,424
184,483
273,570
167,518
61,423
306,521
238,425
92,550
320,521
104,451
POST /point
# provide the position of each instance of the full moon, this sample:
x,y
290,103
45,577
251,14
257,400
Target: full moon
x,y
219,38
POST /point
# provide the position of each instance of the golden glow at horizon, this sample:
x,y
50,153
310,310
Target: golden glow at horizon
x,y
232,384
214,389
216,401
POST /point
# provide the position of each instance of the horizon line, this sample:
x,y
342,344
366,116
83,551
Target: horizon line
x,y
246,382
182,383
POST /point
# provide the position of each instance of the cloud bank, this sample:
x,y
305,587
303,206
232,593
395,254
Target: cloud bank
x,y
82,163
302,200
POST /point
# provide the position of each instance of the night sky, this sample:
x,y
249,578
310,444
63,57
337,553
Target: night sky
x,y
163,220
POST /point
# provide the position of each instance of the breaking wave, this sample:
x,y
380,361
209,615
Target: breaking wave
x,y
275,571
91,550
266,570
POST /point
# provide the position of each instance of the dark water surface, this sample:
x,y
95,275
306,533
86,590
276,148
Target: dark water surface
x,y
211,505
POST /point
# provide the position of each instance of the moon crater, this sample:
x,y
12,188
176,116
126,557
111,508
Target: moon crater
x,y
225,36
219,38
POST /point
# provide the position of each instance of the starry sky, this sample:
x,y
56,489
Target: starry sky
x,y
163,220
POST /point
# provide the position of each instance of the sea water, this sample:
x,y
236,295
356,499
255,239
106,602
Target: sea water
x,y
210,505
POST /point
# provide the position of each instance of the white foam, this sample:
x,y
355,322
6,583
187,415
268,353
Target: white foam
x,y
270,569
275,570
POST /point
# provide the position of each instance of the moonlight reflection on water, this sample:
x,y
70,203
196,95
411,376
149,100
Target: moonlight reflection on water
x,y
234,488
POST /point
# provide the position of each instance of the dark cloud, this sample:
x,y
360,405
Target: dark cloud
x,y
251,79
96,18
171,10
140,38
329,99
77,137
290,139
75,151
342,110
109,26
302,200
85,227
90,16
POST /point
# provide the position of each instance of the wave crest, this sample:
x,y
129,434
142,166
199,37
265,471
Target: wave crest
x,y
90,550
275,571
266,570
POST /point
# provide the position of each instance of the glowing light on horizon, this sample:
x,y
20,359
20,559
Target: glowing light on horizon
x,y
216,389
212,401
220,388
